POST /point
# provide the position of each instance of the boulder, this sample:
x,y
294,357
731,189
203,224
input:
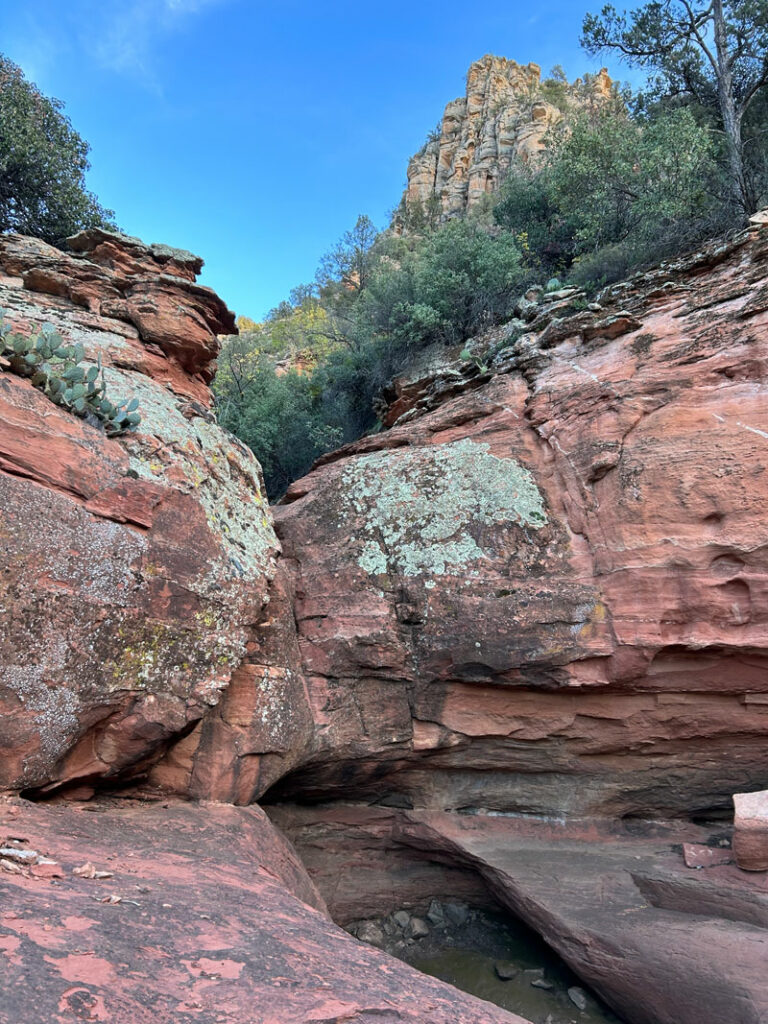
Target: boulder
x,y
135,569
418,928
578,997
697,856
506,970
547,594
370,933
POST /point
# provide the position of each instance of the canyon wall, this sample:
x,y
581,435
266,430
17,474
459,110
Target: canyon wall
x,y
144,608
541,590
478,648
544,588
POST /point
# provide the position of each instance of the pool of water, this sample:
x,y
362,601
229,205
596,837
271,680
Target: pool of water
x,y
497,958
475,973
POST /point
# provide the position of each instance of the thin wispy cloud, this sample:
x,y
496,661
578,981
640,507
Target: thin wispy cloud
x,y
126,38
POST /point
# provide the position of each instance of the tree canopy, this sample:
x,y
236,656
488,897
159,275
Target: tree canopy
x,y
712,51
43,162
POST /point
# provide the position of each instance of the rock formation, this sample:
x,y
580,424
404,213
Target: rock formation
x,y
544,593
134,569
615,899
182,914
142,604
501,635
750,834
504,117
540,595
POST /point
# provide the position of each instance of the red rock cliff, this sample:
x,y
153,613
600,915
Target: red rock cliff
x,y
134,569
544,589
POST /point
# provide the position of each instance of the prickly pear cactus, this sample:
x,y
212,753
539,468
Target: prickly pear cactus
x,y
54,368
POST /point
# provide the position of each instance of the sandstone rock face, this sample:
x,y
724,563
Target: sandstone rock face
x,y
546,592
135,570
206,915
504,116
614,899
538,599
356,859
750,837
261,727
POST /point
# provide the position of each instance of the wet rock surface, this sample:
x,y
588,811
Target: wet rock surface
x,y
615,900
491,956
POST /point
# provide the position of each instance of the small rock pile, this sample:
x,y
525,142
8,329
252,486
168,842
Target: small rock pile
x,y
401,930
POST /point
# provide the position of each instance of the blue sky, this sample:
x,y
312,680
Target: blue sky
x,y
254,132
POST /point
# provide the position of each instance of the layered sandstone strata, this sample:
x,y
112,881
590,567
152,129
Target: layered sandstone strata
x,y
544,589
541,594
615,899
750,837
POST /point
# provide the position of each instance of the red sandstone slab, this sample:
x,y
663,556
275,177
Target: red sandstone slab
x,y
750,837
208,918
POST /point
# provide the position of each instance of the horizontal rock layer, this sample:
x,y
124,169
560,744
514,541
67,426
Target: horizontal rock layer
x,y
750,838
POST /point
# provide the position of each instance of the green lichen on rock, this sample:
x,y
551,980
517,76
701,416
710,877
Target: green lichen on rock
x,y
421,509
201,459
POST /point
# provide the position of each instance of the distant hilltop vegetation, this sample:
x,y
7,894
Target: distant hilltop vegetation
x,y
504,116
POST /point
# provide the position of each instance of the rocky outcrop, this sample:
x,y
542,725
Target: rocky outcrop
x,y
504,632
189,914
504,117
135,569
260,729
614,899
544,593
